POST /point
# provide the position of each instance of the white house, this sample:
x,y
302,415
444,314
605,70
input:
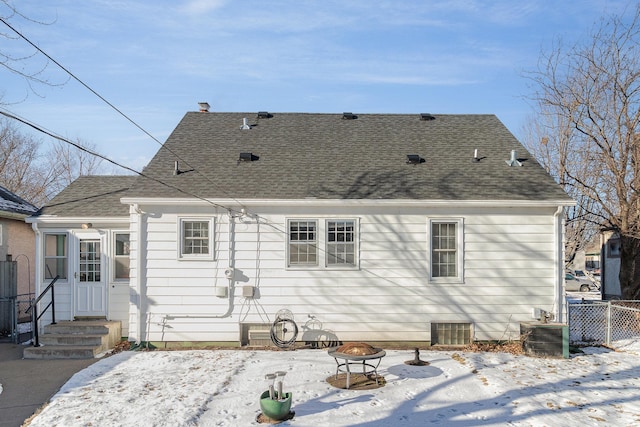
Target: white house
x,y
382,227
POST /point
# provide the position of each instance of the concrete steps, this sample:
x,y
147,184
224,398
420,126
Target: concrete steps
x,y
78,339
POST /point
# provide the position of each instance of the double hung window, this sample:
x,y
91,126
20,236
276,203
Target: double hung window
x,y
322,244
446,250
341,247
303,243
196,238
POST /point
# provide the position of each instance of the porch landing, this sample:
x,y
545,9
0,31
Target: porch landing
x,y
78,339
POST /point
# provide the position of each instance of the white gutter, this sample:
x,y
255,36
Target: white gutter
x,y
14,215
75,221
138,283
225,203
558,309
39,265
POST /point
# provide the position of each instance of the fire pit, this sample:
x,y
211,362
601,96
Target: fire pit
x,y
355,354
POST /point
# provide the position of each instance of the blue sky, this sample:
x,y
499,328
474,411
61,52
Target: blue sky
x,y
155,60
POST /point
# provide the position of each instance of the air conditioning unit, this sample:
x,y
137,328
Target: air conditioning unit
x,y
248,291
229,273
222,291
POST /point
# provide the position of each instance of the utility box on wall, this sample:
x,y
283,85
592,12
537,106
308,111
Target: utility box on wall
x,y
545,339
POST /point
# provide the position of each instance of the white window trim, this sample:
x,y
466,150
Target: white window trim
x,y
115,257
0,234
195,257
459,278
321,241
319,251
356,240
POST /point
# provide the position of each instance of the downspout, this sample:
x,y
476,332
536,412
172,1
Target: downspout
x,y
138,285
603,270
38,270
39,277
558,302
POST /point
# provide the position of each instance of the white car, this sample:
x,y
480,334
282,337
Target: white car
x,y
573,283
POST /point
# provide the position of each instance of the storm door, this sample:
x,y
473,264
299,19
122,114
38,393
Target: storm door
x,y
89,277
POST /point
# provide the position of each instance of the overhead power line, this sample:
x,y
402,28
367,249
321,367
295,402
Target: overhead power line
x,y
78,80
120,112
113,162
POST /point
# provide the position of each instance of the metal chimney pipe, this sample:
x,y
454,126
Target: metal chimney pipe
x,y
513,161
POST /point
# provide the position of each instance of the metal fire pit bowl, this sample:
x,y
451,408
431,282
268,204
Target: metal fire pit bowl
x,y
355,354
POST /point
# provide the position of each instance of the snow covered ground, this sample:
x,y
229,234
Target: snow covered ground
x,y
222,388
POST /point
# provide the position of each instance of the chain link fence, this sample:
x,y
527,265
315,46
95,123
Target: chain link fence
x,y
609,323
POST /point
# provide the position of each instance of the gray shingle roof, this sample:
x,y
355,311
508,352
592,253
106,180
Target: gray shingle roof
x,y
13,204
91,196
323,156
326,157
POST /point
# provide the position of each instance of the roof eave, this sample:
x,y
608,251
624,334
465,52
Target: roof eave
x,y
59,220
13,215
150,201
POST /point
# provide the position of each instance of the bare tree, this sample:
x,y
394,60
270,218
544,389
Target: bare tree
x,y
588,100
19,56
555,154
68,163
36,176
20,171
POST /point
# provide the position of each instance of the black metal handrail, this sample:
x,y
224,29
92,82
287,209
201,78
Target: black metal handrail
x,y
35,316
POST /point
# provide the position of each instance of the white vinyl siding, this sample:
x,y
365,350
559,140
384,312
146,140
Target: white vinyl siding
x,y
508,268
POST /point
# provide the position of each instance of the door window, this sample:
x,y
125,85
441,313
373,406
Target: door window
x,y
90,268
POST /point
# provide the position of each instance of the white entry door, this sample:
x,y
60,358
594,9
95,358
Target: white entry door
x,y
89,277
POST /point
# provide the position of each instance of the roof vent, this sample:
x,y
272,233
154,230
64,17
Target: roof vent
x,y
177,171
426,116
204,107
414,159
513,161
248,157
264,115
349,116
245,124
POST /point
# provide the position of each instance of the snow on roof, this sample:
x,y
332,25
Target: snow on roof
x,y
10,202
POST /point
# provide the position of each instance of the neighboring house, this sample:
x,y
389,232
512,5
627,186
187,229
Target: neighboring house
x,y
383,227
17,240
587,259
